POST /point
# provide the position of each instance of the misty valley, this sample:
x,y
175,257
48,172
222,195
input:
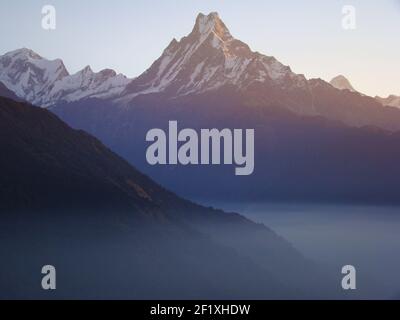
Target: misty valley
x,y
335,235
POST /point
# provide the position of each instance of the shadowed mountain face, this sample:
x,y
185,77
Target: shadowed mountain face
x,y
306,159
47,165
111,232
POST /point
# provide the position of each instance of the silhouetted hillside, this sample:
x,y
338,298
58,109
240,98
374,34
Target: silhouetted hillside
x,y
6,93
111,232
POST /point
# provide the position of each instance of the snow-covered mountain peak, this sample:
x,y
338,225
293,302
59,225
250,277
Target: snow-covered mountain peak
x,y
391,101
46,82
26,58
342,83
86,70
207,59
29,75
23,53
107,73
207,24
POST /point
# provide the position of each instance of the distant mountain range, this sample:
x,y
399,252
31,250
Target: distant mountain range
x,y
67,199
44,83
342,83
208,60
314,142
392,101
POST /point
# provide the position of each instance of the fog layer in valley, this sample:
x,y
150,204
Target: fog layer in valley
x,y
336,235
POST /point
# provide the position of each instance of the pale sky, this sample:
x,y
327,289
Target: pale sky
x,y
128,35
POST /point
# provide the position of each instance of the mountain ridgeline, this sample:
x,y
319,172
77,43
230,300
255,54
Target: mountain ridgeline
x,y
208,60
314,141
45,82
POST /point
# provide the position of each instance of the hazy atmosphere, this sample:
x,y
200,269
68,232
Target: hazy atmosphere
x,y
199,149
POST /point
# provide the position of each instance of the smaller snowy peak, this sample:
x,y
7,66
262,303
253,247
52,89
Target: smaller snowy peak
x,y
391,101
23,53
29,75
342,83
86,70
22,59
46,82
107,73
87,84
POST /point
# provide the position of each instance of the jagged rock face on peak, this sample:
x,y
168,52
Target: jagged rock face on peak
x,y
44,83
207,59
29,75
210,61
